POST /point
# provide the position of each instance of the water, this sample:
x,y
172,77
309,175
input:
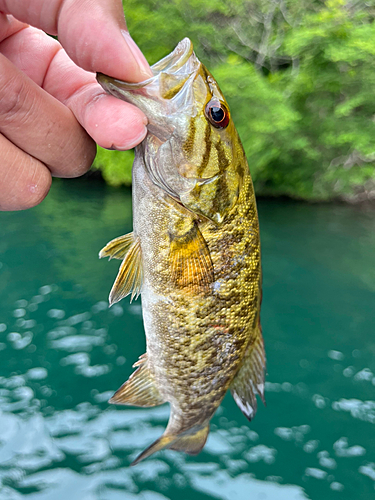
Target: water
x,y
63,353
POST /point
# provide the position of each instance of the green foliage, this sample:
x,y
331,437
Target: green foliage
x,y
299,78
116,166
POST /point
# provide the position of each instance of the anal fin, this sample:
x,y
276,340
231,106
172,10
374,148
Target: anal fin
x,y
140,389
129,279
249,380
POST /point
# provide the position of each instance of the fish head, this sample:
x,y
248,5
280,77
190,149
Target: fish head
x,y
192,150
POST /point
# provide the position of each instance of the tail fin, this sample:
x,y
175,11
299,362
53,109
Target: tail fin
x,y
191,442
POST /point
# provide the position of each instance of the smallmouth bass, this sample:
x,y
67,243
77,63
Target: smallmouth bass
x,y
194,254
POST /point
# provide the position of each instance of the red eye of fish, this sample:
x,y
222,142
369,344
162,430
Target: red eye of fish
x,y
217,114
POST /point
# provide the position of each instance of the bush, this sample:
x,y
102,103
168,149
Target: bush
x,y
299,78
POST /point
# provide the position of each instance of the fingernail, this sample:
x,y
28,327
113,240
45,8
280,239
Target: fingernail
x,y
138,56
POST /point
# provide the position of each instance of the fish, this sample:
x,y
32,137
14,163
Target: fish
x,y
193,254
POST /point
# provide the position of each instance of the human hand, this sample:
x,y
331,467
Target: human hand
x,y
48,102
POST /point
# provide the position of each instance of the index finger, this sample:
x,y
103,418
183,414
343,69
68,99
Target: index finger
x,y
93,33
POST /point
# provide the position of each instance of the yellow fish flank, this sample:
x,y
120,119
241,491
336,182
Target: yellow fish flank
x,y
193,255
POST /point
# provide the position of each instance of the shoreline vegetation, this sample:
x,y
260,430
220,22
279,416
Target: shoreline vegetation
x,y
299,78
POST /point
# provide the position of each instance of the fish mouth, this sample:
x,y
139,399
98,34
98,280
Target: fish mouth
x,y
170,64
166,92
176,59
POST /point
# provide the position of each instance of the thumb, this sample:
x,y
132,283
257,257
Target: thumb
x,y
95,36
93,33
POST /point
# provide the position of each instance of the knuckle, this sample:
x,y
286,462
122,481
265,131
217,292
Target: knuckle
x,y
79,158
36,187
36,195
87,159
26,184
13,92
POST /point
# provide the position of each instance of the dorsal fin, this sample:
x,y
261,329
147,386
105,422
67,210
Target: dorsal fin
x,y
191,264
117,248
140,389
249,380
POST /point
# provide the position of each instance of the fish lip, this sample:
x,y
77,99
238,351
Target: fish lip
x,y
176,59
169,64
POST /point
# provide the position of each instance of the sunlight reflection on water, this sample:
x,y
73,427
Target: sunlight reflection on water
x,y
63,353
35,445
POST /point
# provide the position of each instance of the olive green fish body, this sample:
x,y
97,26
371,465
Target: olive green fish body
x,y
194,255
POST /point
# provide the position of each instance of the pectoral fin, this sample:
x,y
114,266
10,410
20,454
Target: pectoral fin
x,y
249,381
139,389
130,276
117,248
191,264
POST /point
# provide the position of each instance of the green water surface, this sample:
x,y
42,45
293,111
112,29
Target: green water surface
x,y
63,353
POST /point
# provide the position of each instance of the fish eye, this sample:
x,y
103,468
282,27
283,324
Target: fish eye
x,y
217,114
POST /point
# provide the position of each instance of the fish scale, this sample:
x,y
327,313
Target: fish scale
x,y
195,256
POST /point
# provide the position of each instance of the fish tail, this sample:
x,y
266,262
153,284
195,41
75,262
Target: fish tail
x,y
191,442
